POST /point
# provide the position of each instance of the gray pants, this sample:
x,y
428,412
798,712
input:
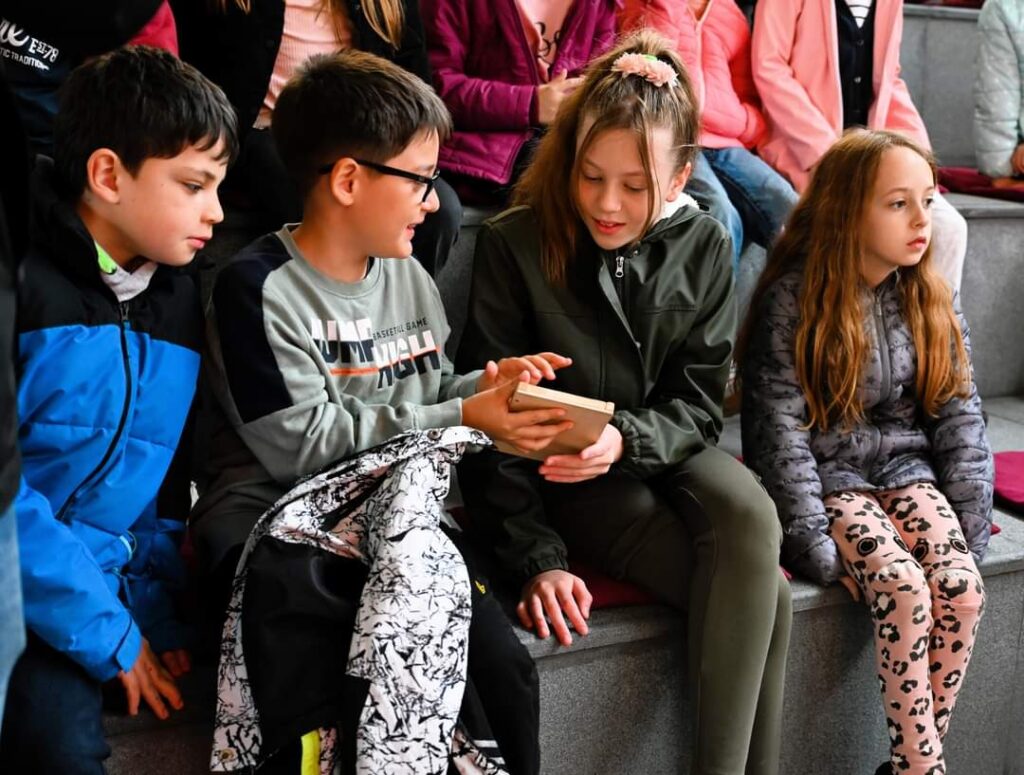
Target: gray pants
x,y
704,538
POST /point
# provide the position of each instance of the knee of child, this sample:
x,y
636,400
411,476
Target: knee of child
x,y
961,588
899,578
753,530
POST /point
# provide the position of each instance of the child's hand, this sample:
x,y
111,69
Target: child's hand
x,y
851,586
1014,183
148,679
551,94
1017,160
177,662
534,367
489,412
591,462
555,592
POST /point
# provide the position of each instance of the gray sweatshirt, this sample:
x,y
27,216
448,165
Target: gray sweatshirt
x,y
307,370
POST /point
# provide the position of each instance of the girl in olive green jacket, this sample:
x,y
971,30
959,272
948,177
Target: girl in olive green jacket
x,y
608,262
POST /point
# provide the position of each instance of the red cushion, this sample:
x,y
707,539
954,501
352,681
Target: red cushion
x,y
967,180
1010,479
608,592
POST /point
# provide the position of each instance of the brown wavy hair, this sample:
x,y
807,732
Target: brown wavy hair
x,y
385,17
823,240
612,101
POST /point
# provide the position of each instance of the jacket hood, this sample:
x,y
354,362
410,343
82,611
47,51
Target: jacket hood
x,y
56,228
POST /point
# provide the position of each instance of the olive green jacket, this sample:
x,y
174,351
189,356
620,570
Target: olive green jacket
x,y
650,328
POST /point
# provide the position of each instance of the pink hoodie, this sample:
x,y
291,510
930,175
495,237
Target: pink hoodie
x,y
716,51
796,69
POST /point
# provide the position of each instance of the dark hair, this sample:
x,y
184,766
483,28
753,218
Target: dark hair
x,y
141,103
347,105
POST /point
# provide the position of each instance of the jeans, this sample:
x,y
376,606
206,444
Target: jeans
x,y
54,722
12,627
744,193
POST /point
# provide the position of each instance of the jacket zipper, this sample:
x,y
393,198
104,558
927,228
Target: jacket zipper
x,y
883,351
881,337
126,362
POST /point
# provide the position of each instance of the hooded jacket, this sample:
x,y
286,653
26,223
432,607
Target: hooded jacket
x,y
893,447
650,328
104,391
487,75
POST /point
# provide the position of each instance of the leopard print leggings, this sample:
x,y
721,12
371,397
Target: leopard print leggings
x,y
905,550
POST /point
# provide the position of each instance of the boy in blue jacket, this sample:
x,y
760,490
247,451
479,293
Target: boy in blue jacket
x,y
109,334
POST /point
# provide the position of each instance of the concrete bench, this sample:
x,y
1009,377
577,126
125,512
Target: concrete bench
x,y
615,702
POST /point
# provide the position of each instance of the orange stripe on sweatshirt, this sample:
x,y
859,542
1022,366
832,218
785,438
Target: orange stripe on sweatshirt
x,y
375,369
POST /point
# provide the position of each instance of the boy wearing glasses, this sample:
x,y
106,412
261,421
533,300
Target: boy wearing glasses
x,y
324,342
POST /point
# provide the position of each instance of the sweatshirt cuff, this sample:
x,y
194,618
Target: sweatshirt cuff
x,y
446,414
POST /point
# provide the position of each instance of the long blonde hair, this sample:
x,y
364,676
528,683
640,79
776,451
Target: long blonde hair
x,y
612,101
385,17
823,239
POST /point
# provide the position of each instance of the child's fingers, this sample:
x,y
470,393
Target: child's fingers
x,y
164,684
583,596
572,611
152,697
534,417
524,617
537,610
554,611
170,661
131,690
542,433
184,660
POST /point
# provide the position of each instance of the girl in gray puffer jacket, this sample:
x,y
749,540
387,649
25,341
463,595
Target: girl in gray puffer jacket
x,y
861,416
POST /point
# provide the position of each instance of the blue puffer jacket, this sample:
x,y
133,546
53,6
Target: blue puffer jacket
x,y
104,393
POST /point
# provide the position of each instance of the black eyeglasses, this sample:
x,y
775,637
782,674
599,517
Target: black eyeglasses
x,y
384,169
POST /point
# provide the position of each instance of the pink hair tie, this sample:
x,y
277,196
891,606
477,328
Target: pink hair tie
x,y
648,67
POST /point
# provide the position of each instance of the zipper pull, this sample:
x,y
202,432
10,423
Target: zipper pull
x,y
619,262
123,310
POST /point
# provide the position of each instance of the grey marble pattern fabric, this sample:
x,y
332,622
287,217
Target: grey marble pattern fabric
x,y
896,445
411,633
999,86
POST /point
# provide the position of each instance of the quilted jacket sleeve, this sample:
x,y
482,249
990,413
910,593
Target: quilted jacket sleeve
x,y
776,444
997,92
963,459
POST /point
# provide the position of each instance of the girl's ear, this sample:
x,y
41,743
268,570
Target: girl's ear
x,y
103,172
678,182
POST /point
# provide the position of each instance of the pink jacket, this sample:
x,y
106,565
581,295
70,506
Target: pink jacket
x,y
796,69
716,51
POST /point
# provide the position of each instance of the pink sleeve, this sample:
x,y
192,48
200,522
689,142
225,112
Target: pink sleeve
x,y
785,101
475,103
743,84
160,31
903,116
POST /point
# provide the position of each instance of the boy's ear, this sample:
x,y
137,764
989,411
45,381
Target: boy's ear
x,y
679,181
103,171
342,180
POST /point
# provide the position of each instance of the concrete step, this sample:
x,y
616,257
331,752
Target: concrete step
x,y
937,55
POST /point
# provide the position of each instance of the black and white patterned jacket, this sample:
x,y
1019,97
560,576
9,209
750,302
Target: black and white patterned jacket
x,y
895,446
